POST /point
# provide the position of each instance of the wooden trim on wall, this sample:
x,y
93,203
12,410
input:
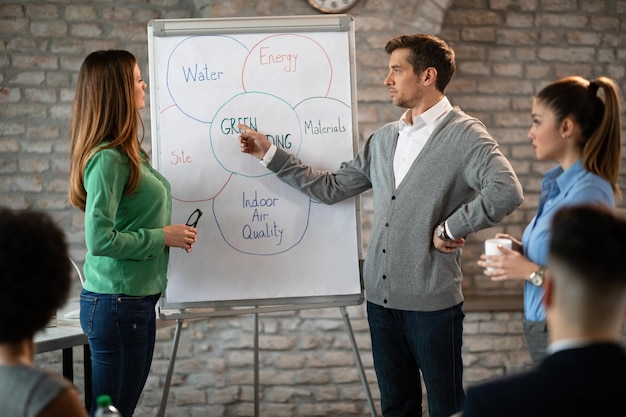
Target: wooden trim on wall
x,y
497,302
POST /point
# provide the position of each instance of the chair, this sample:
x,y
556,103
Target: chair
x,y
78,272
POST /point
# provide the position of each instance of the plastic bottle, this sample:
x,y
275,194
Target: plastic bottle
x,y
105,408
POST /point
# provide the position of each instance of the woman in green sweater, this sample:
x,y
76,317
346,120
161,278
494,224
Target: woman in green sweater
x,y
127,207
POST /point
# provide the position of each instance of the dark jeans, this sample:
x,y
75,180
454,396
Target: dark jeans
x,y
536,333
121,331
407,342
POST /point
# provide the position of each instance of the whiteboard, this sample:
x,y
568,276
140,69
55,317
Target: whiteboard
x,y
260,242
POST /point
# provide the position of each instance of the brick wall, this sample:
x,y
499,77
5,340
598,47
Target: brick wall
x,y
506,50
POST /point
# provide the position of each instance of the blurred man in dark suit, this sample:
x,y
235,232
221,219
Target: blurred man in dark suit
x,y
584,372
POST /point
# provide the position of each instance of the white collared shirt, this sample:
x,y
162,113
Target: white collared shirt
x,y
413,138
565,344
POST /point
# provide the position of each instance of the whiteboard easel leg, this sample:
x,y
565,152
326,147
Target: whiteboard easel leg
x,y
256,364
357,358
170,369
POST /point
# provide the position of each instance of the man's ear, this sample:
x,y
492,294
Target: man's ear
x,y
429,76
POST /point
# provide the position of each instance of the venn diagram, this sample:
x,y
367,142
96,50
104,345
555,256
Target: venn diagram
x,y
287,86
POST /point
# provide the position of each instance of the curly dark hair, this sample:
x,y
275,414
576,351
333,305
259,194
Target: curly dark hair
x,y
35,272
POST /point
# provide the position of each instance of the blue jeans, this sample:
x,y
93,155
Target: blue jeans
x,y
407,342
121,331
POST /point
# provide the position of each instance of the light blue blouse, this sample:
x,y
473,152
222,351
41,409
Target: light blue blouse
x,y
558,189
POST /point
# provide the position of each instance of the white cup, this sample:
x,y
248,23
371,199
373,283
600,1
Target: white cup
x,y
491,247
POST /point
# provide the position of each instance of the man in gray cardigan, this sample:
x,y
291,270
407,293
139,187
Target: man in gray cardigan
x,y
436,175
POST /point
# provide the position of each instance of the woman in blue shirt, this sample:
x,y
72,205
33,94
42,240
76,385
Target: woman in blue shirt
x,y
580,130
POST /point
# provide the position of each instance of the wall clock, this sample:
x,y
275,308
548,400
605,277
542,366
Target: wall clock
x,y
333,6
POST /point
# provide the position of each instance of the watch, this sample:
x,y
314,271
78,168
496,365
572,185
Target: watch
x,y
537,277
333,6
441,232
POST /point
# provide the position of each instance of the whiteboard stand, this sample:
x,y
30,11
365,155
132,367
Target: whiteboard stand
x,y
357,359
170,368
234,62
257,394
179,323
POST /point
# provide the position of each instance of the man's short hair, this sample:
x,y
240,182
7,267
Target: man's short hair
x,y
427,51
591,241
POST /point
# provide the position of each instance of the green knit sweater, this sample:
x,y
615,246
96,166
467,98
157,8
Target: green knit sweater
x,y
124,233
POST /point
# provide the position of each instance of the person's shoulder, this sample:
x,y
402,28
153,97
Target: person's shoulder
x,y
511,384
23,373
461,122
68,404
107,158
610,355
56,378
385,136
501,396
587,185
111,153
457,115
591,179
40,388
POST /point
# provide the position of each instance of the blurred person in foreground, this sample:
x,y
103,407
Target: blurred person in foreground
x,y
35,276
585,300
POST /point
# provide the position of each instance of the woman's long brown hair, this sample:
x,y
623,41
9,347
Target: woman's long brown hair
x,y
104,109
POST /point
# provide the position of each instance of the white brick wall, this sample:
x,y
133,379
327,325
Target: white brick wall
x,y
506,51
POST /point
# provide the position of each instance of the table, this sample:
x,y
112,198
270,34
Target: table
x,y
64,336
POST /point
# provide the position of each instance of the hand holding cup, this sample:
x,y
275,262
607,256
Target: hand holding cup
x,y
492,247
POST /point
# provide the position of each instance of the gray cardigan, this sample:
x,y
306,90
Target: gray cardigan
x,y
460,176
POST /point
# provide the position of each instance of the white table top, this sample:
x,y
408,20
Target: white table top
x,y
67,333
